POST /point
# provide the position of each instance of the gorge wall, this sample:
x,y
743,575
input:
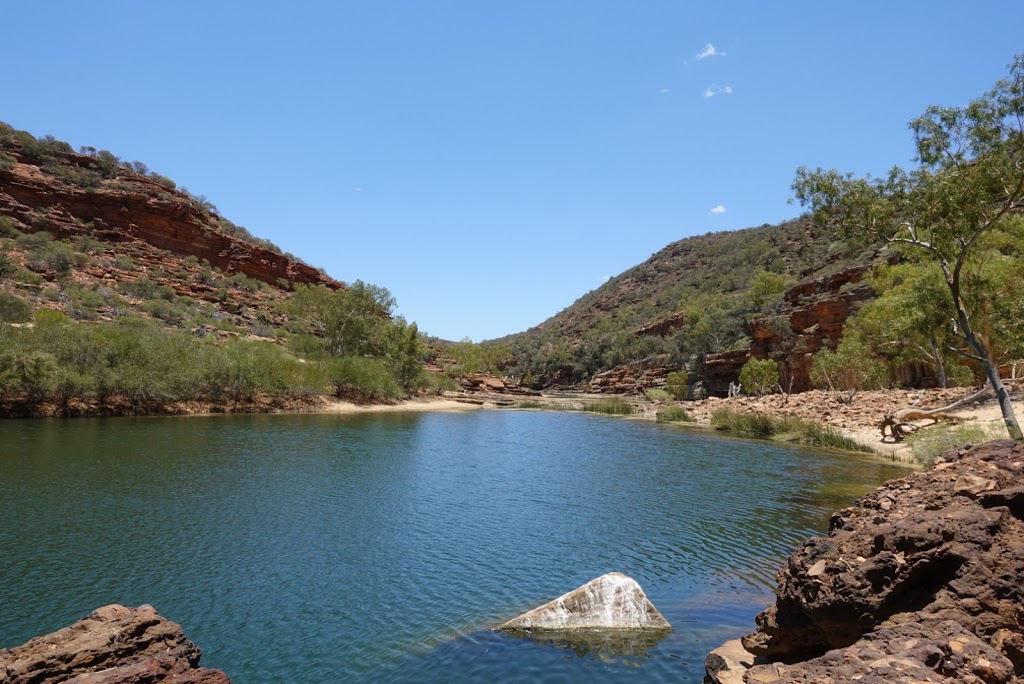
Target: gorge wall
x,y
131,206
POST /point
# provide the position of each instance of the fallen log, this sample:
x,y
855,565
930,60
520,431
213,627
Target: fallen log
x,y
899,422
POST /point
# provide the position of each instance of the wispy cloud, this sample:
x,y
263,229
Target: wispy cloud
x,y
664,91
718,209
357,189
710,51
713,90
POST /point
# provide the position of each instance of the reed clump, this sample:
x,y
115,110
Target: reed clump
x,y
612,407
783,428
672,414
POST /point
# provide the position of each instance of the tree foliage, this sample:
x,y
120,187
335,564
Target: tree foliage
x,y
759,376
849,369
969,181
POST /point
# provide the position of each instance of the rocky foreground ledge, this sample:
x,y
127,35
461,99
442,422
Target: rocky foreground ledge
x,y
112,645
920,581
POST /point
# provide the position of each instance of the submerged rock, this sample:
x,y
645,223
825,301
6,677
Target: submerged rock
x,y
610,602
112,645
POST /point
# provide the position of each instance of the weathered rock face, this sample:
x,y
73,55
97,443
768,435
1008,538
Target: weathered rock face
x,y
922,580
662,327
811,318
722,369
136,207
609,602
631,377
112,645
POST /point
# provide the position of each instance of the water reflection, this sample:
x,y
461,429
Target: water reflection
x,y
629,647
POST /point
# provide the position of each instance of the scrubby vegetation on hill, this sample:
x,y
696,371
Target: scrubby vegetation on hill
x,y
712,284
97,319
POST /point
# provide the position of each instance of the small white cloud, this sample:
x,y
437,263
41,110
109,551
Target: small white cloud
x,y
718,209
710,51
664,91
713,90
357,189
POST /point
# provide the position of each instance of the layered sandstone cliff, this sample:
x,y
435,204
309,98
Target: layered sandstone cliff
x,y
65,196
811,318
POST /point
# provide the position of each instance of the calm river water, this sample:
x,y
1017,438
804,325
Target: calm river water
x,y
380,548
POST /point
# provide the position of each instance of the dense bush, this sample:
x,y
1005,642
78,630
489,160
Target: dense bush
x,y
14,309
849,369
759,376
145,364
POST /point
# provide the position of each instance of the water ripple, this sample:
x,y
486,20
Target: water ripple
x,y
382,548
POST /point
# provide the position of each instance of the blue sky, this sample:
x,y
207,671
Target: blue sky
x,y
491,162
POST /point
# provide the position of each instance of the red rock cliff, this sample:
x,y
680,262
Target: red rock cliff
x,y
132,206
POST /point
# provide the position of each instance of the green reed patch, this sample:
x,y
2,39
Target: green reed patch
x,y
613,407
783,428
672,414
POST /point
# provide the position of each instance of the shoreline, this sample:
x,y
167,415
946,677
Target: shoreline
x,y
858,420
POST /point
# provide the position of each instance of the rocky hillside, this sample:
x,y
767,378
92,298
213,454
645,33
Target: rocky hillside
x,y
700,304
123,294
96,237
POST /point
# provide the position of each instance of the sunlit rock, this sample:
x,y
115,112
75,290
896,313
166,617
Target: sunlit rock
x,y
610,602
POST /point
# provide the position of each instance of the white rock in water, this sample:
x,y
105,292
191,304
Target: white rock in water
x,y
612,601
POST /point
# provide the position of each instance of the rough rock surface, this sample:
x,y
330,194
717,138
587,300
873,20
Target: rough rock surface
x,y
921,580
810,318
112,645
631,377
609,602
135,207
662,327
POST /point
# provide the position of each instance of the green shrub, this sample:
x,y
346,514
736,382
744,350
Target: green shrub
x,y
167,312
27,277
362,379
530,405
672,414
437,383
53,256
850,368
8,229
677,384
8,267
163,180
657,395
141,288
613,407
759,376
124,263
14,309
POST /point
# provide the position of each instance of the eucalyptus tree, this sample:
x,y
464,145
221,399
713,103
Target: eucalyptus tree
x,y
969,180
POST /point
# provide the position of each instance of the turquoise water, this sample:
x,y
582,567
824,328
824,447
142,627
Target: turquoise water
x,y
381,547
